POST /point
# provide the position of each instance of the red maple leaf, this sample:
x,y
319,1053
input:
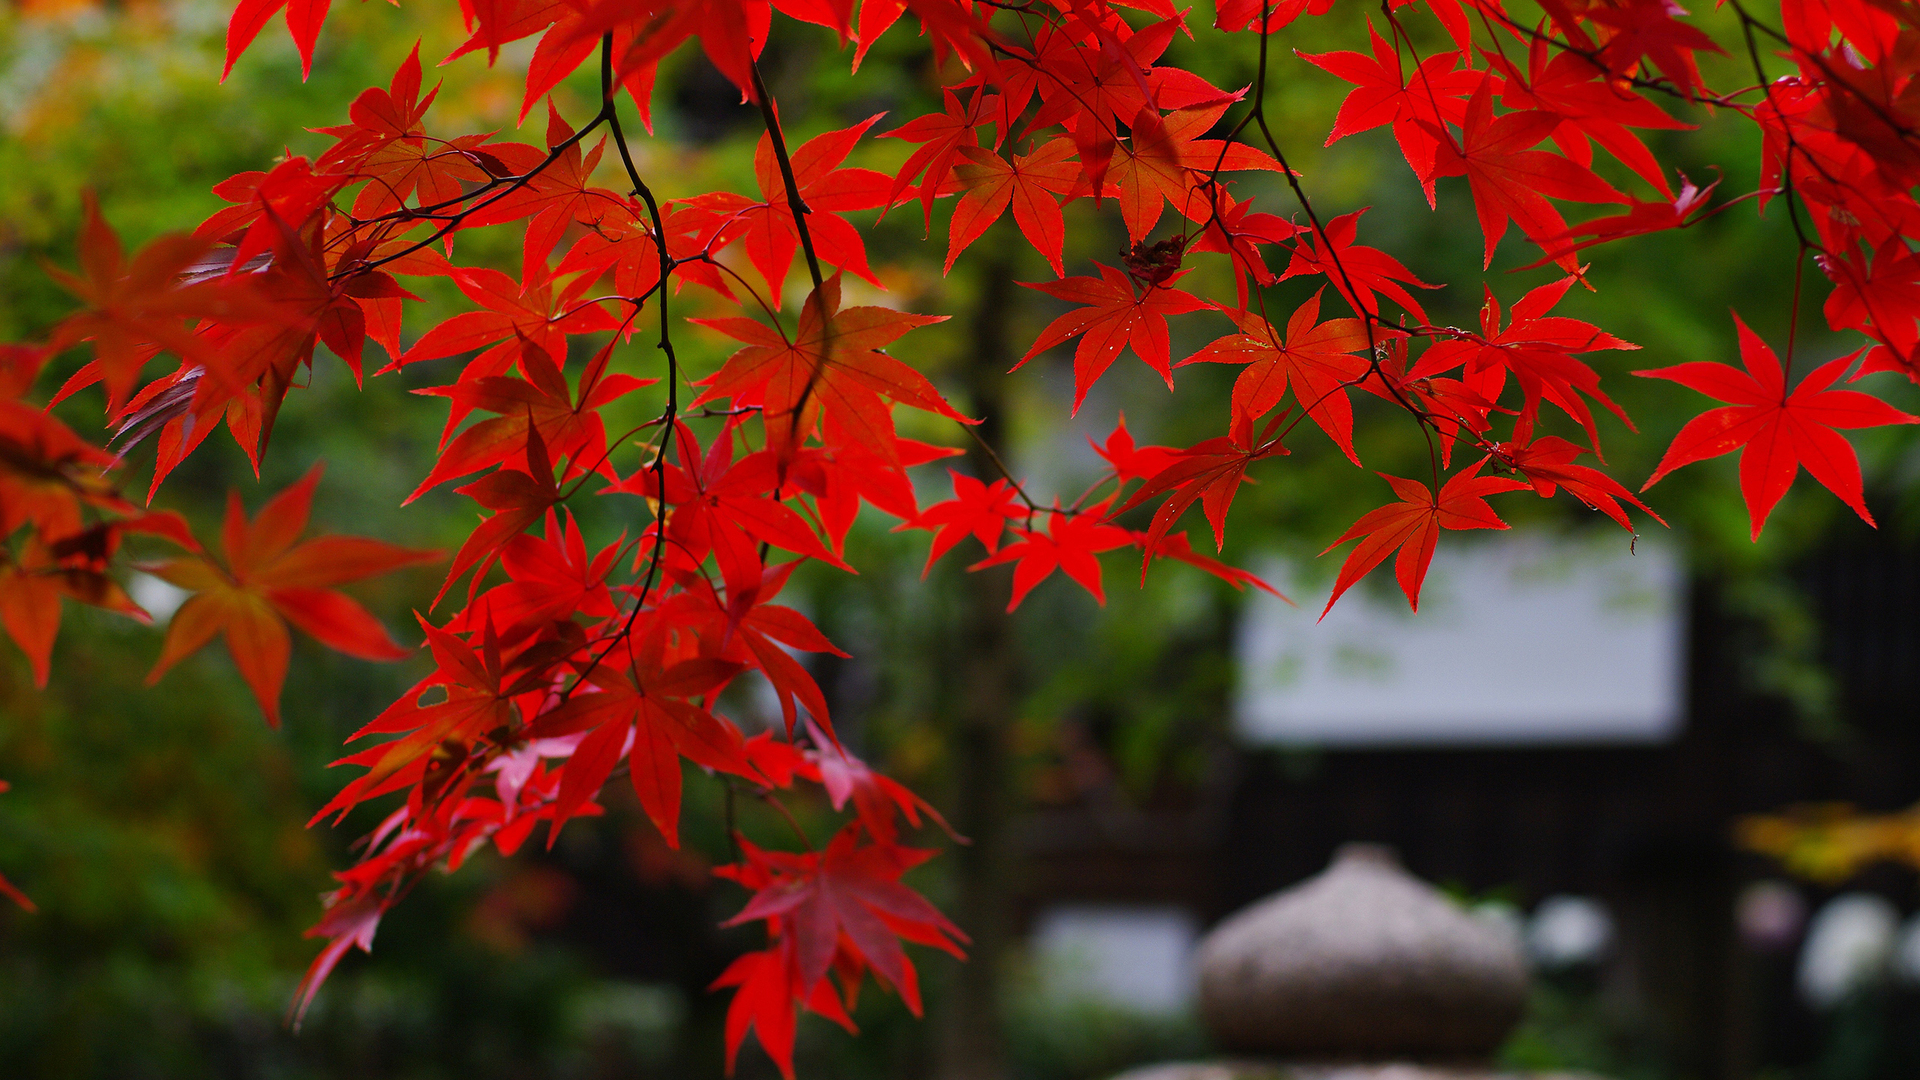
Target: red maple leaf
x,y
943,137
135,308
1176,546
517,500
726,508
639,709
475,689
1565,84
1116,316
1538,349
1776,431
1413,526
1648,28
766,227
549,579
1548,464
558,197
765,1000
387,146
568,420
878,799
1165,159
1130,462
1509,179
1880,298
1641,218
1070,543
1029,184
304,18
748,628
1315,358
510,312
1356,271
1383,94
849,897
32,587
830,370
267,581
977,509
1210,473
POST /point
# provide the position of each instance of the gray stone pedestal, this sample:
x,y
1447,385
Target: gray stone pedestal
x,y
1361,973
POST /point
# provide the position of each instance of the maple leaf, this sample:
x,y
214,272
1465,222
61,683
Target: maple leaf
x,y
1413,526
1208,472
943,137
725,507
841,478
291,191
1880,298
1647,28
559,197
831,371
1164,160
767,228
1131,462
1456,408
851,893
1548,464
1245,14
748,628
1070,543
31,590
517,499
1315,359
1357,272
764,1002
568,421
1383,95
976,509
47,473
1234,230
1641,218
1775,430
1091,90
1593,109
304,19
476,687
1538,349
1116,316
549,578
387,146
308,306
267,581
512,313
878,799
1176,546
1509,180
639,709
133,306
1029,184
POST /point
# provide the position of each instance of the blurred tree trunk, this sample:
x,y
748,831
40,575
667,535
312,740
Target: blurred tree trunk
x,y
981,673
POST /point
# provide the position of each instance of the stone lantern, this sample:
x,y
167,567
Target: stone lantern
x,y
1361,973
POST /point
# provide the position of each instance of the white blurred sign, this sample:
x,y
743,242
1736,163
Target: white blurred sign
x,y
1519,639
1137,957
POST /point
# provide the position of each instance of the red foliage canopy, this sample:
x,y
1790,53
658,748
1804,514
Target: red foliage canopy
x,y
571,663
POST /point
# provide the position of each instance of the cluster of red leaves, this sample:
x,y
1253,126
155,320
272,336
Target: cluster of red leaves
x,y
565,662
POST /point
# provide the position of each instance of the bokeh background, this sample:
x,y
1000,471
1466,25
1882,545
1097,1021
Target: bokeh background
x,y
1100,756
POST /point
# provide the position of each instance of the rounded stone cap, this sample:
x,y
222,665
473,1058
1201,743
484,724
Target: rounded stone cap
x,y
1364,960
